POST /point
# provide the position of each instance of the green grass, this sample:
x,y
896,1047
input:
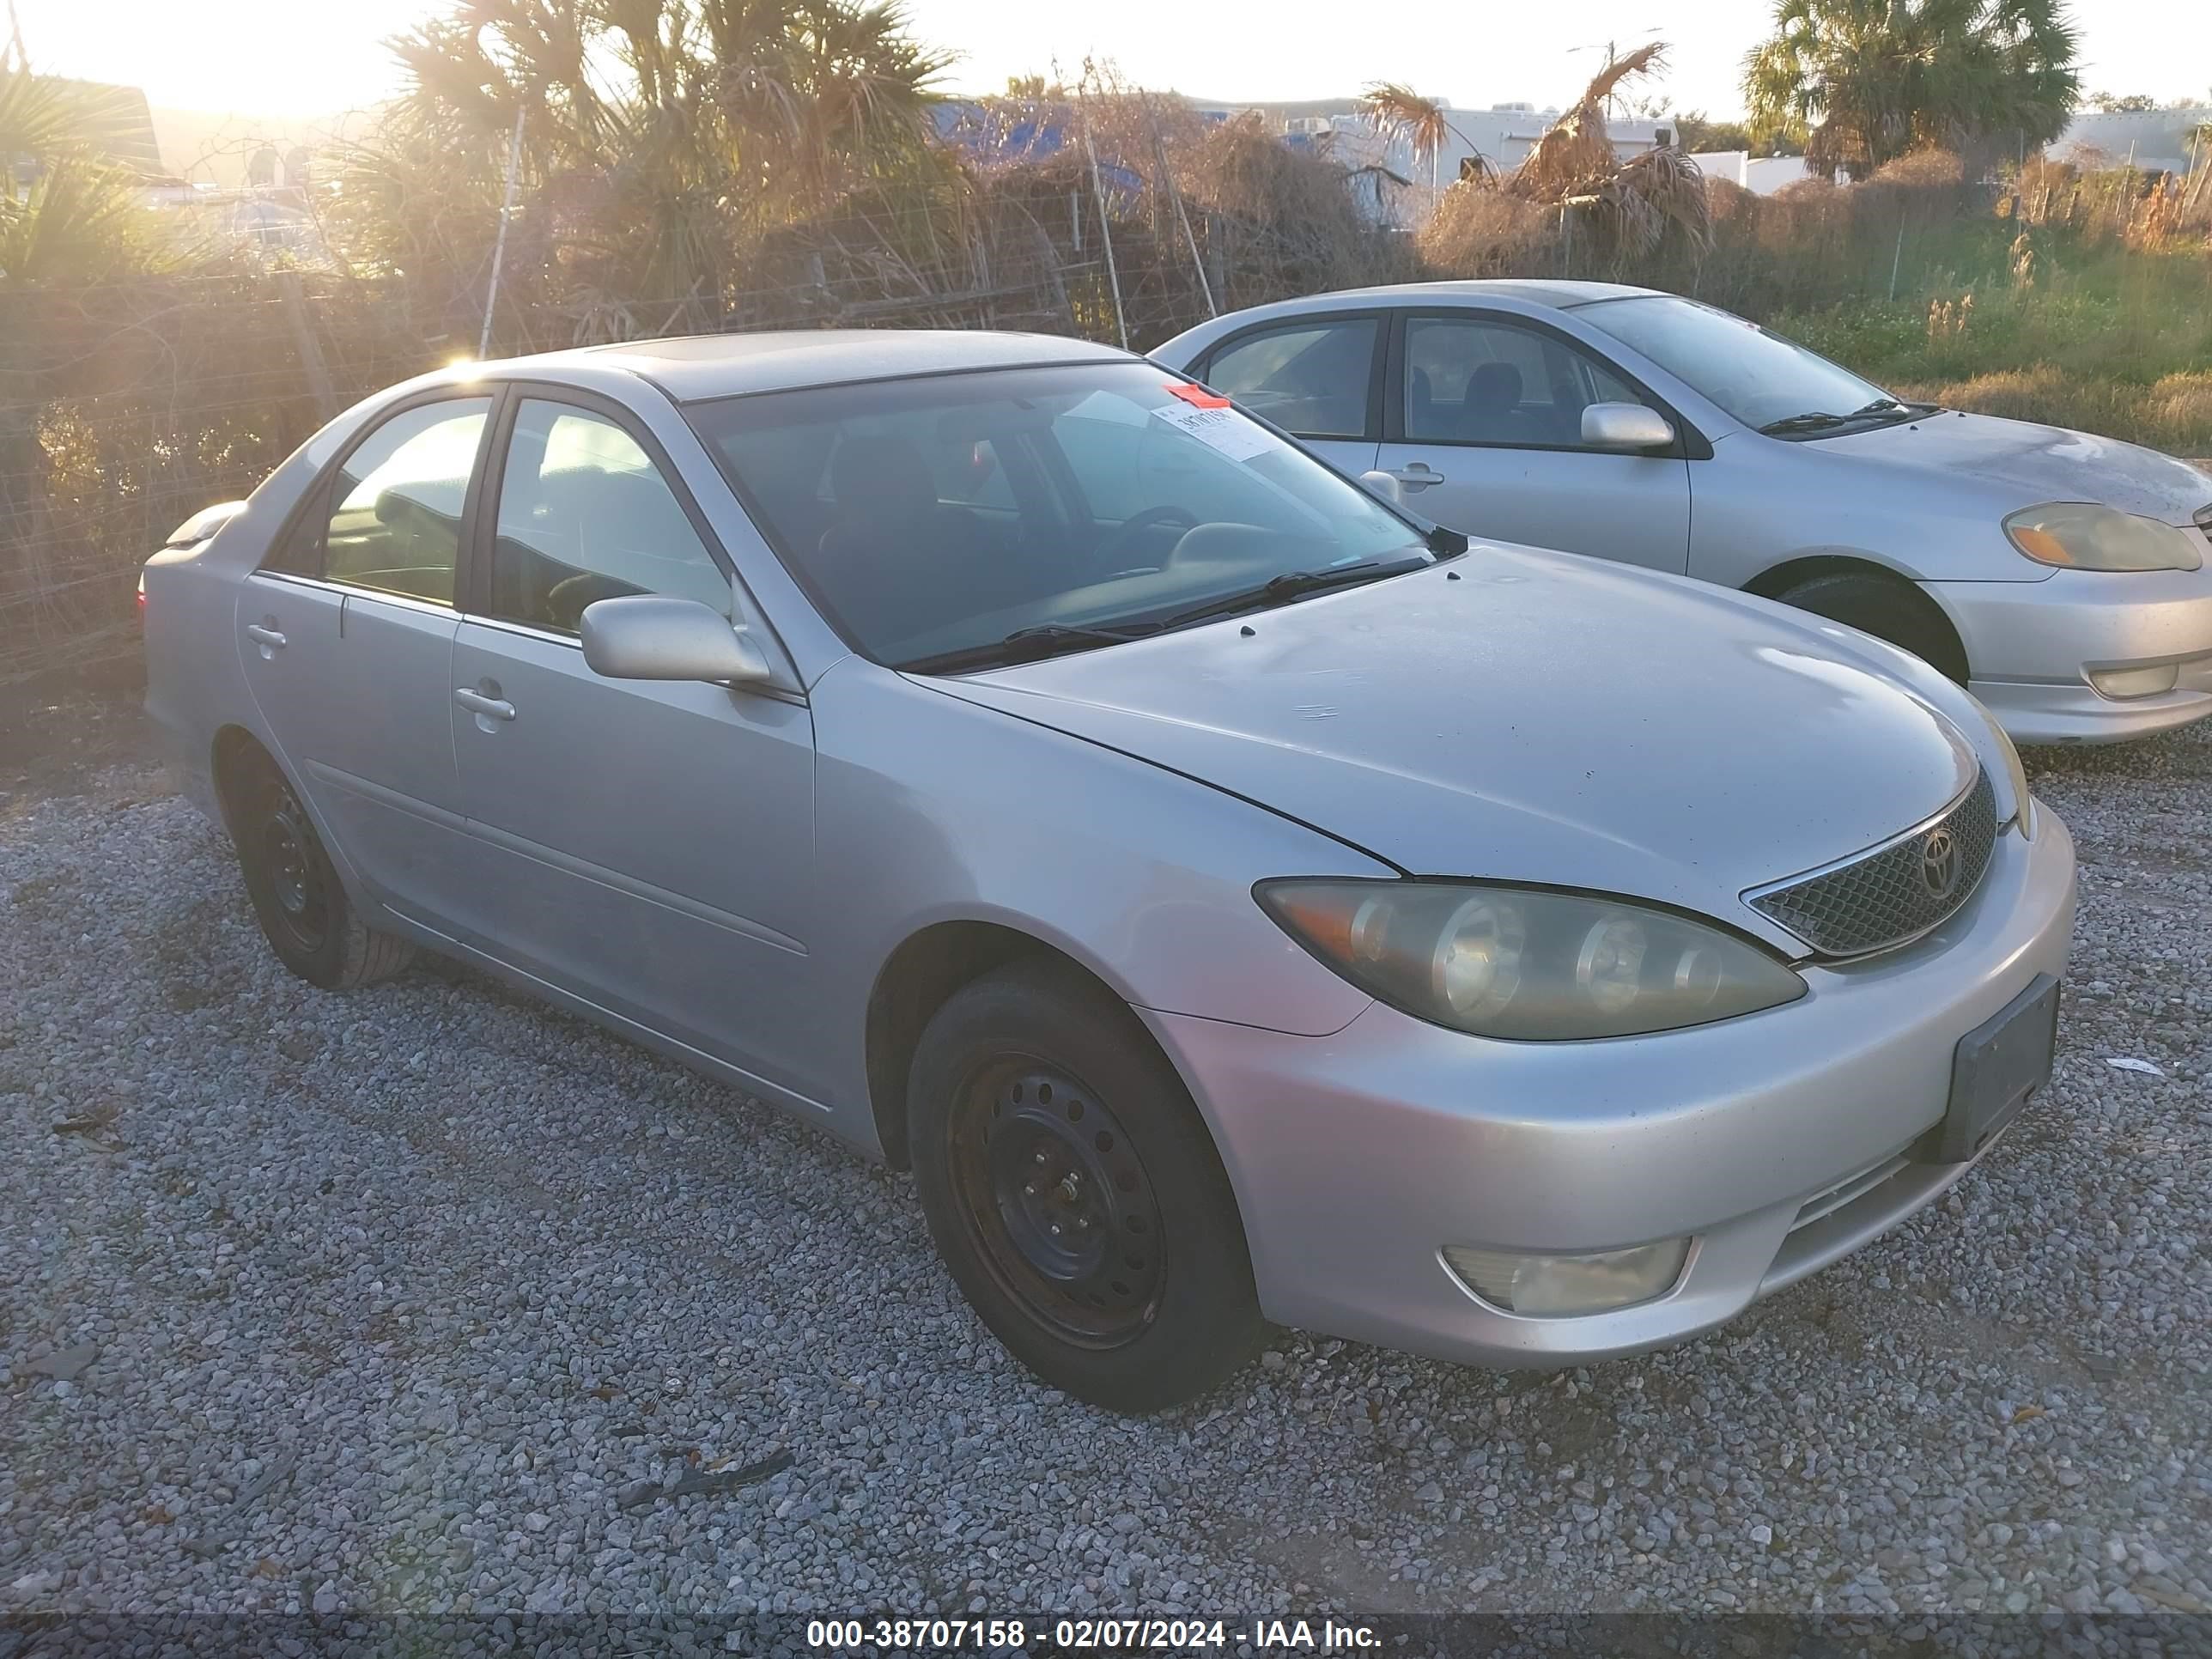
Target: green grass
x,y
2104,338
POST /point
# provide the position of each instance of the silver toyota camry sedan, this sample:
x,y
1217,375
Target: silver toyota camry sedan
x,y
1235,901
2059,577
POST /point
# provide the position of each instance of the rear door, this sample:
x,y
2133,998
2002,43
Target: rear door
x,y
1319,377
346,634
646,844
1482,429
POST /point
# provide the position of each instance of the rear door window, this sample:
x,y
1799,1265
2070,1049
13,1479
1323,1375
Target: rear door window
x,y
394,523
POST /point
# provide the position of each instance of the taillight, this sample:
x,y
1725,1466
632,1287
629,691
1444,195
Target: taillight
x,y
141,594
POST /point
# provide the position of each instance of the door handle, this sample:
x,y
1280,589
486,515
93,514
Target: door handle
x,y
1416,475
496,709
268,636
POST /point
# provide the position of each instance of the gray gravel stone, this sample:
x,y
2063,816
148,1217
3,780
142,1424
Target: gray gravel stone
x,y
397,1297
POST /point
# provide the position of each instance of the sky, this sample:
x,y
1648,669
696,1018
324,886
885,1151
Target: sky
x,y
314,57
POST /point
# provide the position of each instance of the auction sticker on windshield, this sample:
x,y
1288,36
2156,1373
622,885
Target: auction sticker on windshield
x,y
1238,439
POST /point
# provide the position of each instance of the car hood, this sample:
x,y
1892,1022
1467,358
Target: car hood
x,y
1530,716
2038,464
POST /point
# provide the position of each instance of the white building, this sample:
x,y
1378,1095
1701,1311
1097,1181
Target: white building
x,y
1762,175
2157,140
1501,137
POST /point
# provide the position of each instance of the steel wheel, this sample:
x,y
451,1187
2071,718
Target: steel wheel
x,y
294,868
1056,1196
298,896
292,863
1074,1193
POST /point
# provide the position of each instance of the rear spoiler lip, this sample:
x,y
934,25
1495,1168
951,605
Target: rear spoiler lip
x,y
203,524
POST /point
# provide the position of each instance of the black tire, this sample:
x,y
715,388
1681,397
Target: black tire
x,y
1145,1299
1889,608
297,897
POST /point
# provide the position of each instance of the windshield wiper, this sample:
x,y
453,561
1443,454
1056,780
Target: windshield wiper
x,y
1291,584
1819,420
1024,644
1044,640
1812,420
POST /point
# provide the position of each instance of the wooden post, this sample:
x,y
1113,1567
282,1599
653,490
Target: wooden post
x,y
311,367
1174,195
1106,238
1048,261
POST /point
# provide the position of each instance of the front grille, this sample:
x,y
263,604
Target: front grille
x,y
1891,893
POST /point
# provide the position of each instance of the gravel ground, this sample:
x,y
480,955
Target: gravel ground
x,y
417,1300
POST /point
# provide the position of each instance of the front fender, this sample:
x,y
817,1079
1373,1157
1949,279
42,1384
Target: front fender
x,y
931,809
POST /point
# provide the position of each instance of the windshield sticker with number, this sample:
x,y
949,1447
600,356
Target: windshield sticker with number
x,y
1238,439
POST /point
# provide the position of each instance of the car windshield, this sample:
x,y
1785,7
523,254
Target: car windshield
x,y
930,518
1759,378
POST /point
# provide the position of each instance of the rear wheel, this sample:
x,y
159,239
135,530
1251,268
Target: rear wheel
x,y
297,897
1889,608
1075,1193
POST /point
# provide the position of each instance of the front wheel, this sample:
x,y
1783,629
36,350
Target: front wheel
x,y
297,897
1073,1191
1889,608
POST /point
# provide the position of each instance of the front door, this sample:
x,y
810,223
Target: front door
x,y
346,636
1483,434
645,844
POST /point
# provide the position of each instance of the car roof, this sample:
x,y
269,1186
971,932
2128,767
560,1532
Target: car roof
x,y
701,366
1557,293
1535,291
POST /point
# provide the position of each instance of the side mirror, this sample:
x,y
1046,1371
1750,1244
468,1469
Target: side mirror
x,y
1626,426
644,636
1382,485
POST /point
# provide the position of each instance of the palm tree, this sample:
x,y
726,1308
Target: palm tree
x,y
1398,112
1633,206
75,227
659,138
1861,82
79,219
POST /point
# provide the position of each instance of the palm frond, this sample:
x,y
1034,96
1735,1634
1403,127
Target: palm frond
x,y
1577,149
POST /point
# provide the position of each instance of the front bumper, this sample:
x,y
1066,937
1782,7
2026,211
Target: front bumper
x,y
2032,646
1358,1158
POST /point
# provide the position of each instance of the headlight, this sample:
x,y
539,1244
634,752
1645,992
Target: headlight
x,y
2023,803
1534,966
2083,536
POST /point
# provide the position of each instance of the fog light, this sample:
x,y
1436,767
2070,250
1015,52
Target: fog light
x,y
2135,682
1571,1283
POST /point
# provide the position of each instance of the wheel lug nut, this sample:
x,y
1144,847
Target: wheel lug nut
x,y
1031,1190
1040,1157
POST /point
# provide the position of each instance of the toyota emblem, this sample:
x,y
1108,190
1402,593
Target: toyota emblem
x,y
1939,863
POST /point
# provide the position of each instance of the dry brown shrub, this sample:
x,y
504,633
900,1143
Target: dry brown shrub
x,y
1731,206
1293,210
2018,394
1922,169
2182,404
1479,231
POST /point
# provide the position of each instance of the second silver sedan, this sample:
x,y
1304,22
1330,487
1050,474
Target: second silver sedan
x,y
2059,577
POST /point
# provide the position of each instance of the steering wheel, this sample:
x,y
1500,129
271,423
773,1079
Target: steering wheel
x,y
1124,537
